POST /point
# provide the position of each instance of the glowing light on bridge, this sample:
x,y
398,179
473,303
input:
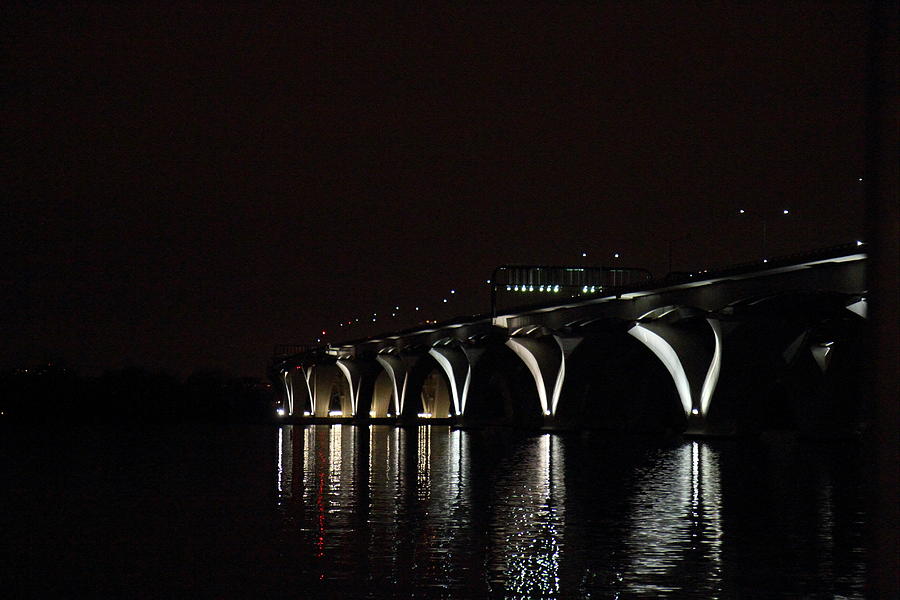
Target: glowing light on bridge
x,y
669,359
715,367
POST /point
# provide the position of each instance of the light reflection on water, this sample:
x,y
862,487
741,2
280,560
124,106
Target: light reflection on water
x,y
433,512
676,519
528,521
425,512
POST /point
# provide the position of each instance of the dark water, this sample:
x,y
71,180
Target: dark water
x,y
381,512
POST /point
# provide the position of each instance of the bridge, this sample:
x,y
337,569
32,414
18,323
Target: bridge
x,y
776,343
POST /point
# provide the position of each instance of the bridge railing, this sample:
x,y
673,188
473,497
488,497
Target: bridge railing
x,y
559,281
282,350
536,276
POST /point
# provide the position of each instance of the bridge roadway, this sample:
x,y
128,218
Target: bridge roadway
x,y
774,344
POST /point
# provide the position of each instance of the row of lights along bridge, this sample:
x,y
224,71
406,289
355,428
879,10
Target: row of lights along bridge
x,y
556,288
743,213
357,322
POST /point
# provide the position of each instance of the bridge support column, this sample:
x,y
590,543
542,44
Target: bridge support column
x,y
546,361
321,381
297,392
397,368
693,368
457,364
353,373
310,390
288,392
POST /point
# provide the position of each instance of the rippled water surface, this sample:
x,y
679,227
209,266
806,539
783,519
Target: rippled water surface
x,y
427,512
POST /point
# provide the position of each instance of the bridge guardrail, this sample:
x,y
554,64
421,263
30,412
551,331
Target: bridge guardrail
x,y
281,350
560,281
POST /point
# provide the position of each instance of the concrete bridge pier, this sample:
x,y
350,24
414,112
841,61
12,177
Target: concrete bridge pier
x,y
288,406
545,358
398,367
689,345
360,380
331,389
298,398
457,362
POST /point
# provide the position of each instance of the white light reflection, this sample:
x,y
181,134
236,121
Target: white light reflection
x,y
335,455
423,463
455,466
285,455
529,522
676,522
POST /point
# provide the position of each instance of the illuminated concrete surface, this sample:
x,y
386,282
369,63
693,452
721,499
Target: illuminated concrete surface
x,y
699,331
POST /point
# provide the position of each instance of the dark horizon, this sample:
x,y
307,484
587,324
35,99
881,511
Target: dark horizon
x,y
189,187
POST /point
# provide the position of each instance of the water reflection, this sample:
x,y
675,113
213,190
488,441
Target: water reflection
x,y
675,538
433,512
527,532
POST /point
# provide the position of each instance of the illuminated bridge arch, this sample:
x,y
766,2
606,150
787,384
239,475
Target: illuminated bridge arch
x,y
680,338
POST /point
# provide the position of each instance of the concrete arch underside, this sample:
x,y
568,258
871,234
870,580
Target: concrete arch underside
x,y
298,400
384,400
428,390
792,362
331,391
503,391
615,382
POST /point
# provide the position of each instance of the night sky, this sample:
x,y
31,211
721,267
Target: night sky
x,y
184,188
